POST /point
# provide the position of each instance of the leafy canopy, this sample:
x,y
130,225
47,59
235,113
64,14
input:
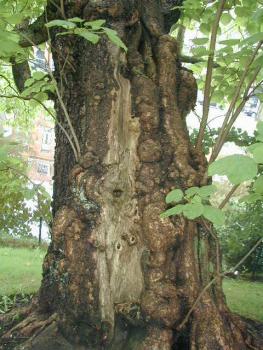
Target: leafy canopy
x,y
17,192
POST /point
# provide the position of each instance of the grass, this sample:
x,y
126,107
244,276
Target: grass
x,y
245,298
20,273
20,270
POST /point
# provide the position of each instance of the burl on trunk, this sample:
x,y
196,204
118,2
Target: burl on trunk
x,y
116,274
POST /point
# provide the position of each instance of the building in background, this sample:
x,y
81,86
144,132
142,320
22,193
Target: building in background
x,y
37,149
40,152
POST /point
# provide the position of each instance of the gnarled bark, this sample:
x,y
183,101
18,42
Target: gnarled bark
x,y
116,275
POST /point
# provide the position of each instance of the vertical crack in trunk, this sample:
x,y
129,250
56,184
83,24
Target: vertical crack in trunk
x,y
119,270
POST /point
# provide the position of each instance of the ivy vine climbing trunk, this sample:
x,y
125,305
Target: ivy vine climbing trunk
x,y
116,274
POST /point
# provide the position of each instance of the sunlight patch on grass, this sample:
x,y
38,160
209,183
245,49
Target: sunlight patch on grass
x,y
20,270
245,298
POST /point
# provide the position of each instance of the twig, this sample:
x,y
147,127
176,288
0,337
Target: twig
x,y
51,114
180,38
210,230
222,134
234,117
76,148
9,167
213,280
64,108
62,8
8,82
209,73
194,60
228,196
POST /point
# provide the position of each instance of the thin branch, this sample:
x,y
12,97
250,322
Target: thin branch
x,y
64,108
228,196
227,126
36,33
223,274
210,230
21,72
62,8
51,114
68,119
218,144
255,88
180,38
209,73
76,148
8,82
17,171
194,60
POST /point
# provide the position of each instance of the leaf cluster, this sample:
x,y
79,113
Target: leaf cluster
x,y
244,225
194,203
236,135
89,30
21,202
239,168
240,29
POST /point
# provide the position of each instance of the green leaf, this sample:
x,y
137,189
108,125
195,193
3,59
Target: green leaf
x,y
259,135
215,215
113,36
257,150
61,23
199,51
205,28
218,96
29,82
76,20
193,210
9,43
258,61
172,211
200,41
39,75
95,24
226,18
65,33
206,191
253,39
251,198
237,168
196,199
258,185
88,35
191,191
241,11
230,42
174,196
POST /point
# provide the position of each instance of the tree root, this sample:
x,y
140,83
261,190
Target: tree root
x,y
16,331
41,332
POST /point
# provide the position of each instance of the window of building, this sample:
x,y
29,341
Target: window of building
x,y
42,168
47,138
7,131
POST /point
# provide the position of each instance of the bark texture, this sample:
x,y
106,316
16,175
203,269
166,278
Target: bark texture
x,y
116,276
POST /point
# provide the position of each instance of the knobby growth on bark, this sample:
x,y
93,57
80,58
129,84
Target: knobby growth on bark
x,y
116,276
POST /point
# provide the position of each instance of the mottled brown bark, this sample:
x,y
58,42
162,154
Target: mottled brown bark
x,y
116,275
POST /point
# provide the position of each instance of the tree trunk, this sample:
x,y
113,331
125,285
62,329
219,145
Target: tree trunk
x,y
117,275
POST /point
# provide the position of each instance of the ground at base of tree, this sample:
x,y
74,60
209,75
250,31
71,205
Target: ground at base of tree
x,y
25,329
20,273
